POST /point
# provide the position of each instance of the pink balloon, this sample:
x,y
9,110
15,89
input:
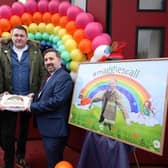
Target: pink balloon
x,y
53,6
107,36
42,6
73,11
30,1
63,7
100,40
82,19
31,6
5,11
93,29
18,8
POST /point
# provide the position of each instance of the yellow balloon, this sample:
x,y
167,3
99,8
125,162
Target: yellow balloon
x,y
57,29
6,35
76,55
33,28
70,44
50,28
42,27
74,66
66,37
62,32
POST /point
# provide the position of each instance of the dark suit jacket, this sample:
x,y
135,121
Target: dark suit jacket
x,y
52,107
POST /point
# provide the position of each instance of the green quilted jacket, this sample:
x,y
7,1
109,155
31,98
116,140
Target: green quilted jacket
x,y
37,71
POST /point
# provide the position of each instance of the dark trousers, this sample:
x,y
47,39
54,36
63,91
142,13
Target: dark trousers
x,y
54,148
24,120
7,136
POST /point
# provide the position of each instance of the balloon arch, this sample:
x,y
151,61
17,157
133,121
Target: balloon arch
x,y
60,25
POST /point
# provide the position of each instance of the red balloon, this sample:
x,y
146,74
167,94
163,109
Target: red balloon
x,y
63,164
93,29
42,6
73,11
5,11
53,6
82,19
18,8
63,7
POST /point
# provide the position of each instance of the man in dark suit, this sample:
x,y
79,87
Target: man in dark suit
x,y
51,107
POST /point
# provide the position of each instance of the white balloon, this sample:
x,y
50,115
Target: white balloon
x,y
100,52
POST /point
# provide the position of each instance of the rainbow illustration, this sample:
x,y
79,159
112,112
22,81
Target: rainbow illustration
x,y
135,93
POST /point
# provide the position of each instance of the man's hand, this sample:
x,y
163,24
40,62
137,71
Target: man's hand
x,y
31,95
2,107
27,109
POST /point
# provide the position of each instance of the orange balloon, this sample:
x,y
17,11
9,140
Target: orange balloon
x,y
5,25
71,27
55,19
63,21
78,35
37,17
47,17
85,46
63,164
15,20
0,32
26,18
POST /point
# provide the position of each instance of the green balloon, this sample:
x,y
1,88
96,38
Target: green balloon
x,y
45,36
55,39
59,42
65,56
61,48
51,37
38,36
31,36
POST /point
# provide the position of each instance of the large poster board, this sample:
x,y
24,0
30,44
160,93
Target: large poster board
x,y
124,100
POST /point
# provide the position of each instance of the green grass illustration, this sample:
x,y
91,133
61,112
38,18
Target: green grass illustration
x,y
135,134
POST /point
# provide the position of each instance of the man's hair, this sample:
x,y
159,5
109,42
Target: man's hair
x,y
20,27
52,50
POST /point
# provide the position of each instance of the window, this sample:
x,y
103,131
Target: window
x,y
150,42
154,5
81,3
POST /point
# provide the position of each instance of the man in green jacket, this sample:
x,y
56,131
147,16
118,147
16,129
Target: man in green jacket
x,y
21,73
